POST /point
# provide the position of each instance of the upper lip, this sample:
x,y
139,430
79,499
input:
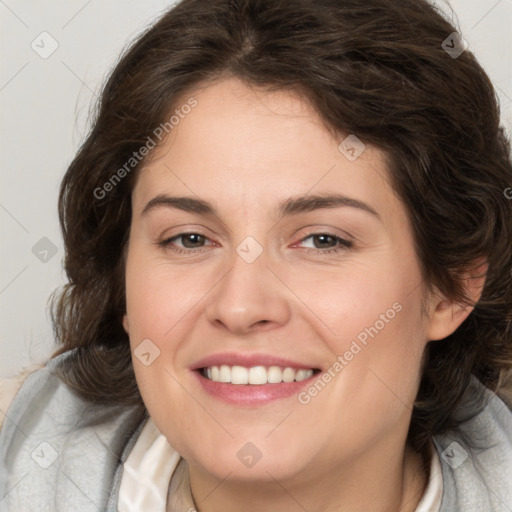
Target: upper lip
x,y
249,361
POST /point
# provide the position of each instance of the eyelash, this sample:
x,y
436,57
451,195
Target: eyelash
x,y
343,243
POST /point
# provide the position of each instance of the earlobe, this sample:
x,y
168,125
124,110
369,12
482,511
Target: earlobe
x,y
447,315
126,324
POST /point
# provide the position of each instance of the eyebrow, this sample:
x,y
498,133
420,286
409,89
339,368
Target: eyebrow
x,y
289,207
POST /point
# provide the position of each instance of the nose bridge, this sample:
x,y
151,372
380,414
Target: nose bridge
x,y
249,295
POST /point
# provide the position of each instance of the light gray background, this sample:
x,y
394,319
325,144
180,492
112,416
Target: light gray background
x,y
45,103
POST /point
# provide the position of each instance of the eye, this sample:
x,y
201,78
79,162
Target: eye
x,y
190,242
194,242
326,243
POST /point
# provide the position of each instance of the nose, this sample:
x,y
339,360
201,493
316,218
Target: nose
x,y
249,298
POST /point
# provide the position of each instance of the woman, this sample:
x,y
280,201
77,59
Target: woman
x,y
288,249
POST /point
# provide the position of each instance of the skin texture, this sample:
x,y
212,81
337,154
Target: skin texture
x,y
246,151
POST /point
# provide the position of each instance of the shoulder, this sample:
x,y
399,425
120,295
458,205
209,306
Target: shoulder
x,y
63,442
10,386
476,457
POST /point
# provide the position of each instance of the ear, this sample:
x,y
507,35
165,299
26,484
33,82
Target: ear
x,y
126,324
445,315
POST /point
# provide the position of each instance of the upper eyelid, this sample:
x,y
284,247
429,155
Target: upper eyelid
x,y
311,229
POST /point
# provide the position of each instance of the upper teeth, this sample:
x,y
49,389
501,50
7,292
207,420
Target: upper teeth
x,y
255,375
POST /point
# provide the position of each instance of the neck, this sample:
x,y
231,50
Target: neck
x,y
384,482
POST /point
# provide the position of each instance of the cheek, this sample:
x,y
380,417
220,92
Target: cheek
x,y
167,402
375,335
380,364
159,296
376,368
359,300
162,302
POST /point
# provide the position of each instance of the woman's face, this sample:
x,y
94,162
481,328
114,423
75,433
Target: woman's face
x,y
272,275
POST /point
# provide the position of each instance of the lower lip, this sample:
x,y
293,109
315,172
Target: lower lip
x,y
247,394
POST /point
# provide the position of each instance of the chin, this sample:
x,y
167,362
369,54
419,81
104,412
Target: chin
x,y
248,459
266,469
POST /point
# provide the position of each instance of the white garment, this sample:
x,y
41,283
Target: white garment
x,y
155,478
147,472
433,495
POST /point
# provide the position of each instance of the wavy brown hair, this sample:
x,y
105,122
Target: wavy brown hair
x,y
374,68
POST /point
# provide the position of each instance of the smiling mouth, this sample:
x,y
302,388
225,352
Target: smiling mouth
x,y
256,375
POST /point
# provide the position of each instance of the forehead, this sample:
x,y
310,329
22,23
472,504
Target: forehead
x,y
244,147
